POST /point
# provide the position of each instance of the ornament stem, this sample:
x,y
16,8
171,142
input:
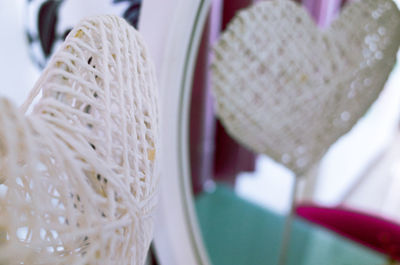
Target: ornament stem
x,y
283,251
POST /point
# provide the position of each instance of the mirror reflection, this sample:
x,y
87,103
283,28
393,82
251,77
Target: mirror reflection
x,y
346,204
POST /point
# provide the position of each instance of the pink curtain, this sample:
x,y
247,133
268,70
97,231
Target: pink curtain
x,y
323,11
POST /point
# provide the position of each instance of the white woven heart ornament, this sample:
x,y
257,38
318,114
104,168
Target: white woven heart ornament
x,y
78,173
288,89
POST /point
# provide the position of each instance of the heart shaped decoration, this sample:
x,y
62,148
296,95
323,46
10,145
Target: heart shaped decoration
x,y
78,173
288,89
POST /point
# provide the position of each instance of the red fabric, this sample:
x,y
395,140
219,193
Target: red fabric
x,y
231,158
344,2
202,118
231,7
372,231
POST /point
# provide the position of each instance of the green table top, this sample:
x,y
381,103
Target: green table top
x,y
237,232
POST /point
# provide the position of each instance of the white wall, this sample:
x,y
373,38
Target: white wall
x,y
17,73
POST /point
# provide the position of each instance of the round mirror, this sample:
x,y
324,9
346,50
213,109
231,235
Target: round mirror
x,y
222,204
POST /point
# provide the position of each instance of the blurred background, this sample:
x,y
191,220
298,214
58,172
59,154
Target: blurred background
x,y
18,72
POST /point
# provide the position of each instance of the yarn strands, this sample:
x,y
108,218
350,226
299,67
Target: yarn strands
x,y
78,174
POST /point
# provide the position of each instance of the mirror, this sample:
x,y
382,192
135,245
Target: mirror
x,y
178,239
241,197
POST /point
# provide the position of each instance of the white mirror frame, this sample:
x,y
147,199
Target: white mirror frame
x,y
172,30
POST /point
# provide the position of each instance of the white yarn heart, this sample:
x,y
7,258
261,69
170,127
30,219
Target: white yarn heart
x,y
78,173
289,90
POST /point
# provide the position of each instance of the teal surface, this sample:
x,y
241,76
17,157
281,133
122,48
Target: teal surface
x,y
237,232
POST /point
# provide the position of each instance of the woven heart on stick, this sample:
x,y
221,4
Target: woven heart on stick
x,y
287,89
78,173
